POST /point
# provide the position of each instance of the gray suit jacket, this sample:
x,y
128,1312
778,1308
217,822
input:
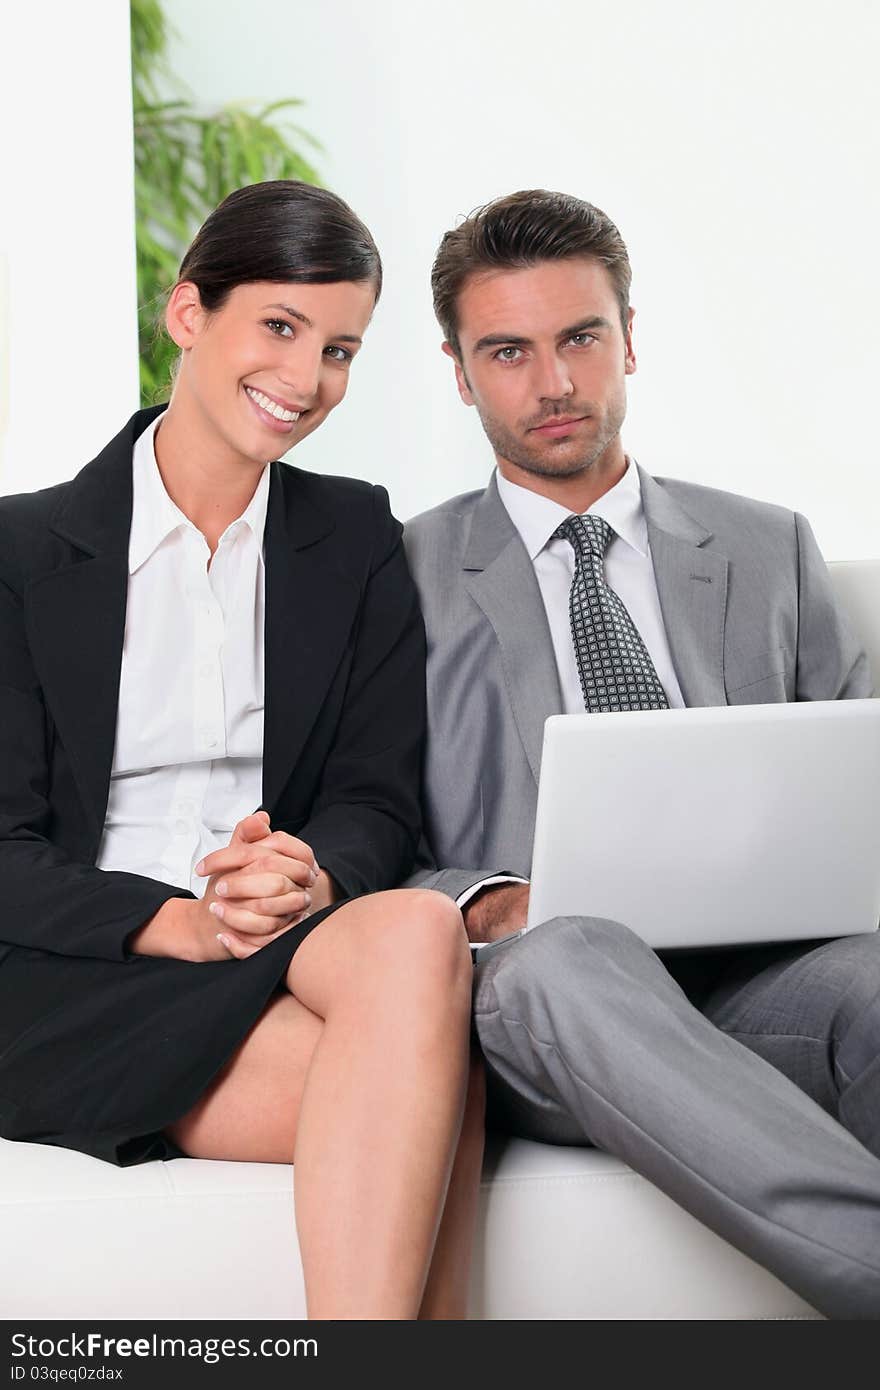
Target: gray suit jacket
x,y
750,618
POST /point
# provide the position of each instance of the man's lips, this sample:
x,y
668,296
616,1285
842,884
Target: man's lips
x,y
558,424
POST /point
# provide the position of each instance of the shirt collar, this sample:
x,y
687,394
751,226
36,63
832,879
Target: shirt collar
x,y
155,517
536,517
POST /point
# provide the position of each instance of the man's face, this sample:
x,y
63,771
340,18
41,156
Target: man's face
x,y
544,359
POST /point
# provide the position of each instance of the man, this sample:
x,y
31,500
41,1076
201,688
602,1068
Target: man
x,y
746,1083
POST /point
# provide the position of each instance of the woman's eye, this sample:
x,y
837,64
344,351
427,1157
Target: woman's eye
x,y
280,326
338,354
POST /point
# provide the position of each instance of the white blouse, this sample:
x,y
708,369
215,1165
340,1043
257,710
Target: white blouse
x,y
187,763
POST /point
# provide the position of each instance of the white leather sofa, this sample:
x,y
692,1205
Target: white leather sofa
x,y
564,1233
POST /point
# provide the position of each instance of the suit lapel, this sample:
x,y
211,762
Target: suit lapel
x,y
76,615
501,580
692,588
310,608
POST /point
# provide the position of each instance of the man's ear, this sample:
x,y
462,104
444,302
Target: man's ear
x,y
630,350
461,381
184,313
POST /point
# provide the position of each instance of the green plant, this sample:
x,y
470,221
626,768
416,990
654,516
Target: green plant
x,y
185,163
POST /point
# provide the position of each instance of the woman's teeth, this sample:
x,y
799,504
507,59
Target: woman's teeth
x,y
271,408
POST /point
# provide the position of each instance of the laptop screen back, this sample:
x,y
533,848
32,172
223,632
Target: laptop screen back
x,y
714,826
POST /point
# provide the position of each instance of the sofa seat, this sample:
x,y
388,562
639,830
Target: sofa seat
x,y
564,1233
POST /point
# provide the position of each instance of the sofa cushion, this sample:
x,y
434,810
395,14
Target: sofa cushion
x,y
564,1233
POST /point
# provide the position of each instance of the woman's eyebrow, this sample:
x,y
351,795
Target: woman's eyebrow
x,y
294,313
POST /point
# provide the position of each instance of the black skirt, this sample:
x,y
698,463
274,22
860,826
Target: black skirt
x,y
122,1049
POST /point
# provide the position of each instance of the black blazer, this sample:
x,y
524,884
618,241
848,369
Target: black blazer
x,y
344,716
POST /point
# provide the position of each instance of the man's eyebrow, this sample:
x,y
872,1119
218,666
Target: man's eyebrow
x,y
295,314
500,340
585,324
514,340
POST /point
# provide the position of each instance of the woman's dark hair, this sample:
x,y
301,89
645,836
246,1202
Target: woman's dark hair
x,y
518,231
282,230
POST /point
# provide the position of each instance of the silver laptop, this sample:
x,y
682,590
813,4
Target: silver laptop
x,y
708,827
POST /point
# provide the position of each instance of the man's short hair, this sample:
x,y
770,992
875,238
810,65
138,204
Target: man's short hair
x,y
516,232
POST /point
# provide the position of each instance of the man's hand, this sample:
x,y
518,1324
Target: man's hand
x,y
496,911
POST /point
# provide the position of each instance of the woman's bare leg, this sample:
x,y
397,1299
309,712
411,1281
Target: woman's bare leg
x,y
362,1079
249,1112
383,1099
446,1292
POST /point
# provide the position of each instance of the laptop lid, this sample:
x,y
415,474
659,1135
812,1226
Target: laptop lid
x,y
703,827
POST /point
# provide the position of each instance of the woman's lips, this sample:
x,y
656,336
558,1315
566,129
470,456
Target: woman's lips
x,y
271,421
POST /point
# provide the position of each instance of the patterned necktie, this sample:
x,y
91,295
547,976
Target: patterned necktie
x,y
613,663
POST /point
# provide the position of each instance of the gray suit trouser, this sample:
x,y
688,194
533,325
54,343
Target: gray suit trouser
x,y
745,1084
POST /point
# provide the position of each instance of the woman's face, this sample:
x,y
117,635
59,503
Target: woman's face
x,y
265,369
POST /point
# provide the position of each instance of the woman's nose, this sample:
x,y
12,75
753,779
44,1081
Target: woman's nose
x,y
300,373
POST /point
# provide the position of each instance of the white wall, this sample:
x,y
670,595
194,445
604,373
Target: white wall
x,y
68,331
737,149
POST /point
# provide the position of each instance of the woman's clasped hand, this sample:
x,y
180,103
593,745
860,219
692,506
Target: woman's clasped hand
x,y
264,883
259,886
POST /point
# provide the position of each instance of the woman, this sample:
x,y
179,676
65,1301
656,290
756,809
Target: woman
x,y
187,634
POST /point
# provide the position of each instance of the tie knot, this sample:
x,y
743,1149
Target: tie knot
x,y
589,535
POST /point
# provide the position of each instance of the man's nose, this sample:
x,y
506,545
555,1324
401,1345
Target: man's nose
x,y
554,380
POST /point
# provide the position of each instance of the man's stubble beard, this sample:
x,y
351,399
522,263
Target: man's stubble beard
x,y
540,461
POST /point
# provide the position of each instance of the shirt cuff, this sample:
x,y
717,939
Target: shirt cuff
x,y
475,888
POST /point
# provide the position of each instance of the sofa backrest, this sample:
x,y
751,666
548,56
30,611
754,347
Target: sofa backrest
x,y
857,585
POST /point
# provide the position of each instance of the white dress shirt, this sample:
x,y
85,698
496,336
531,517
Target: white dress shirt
x,y
187,763
629,571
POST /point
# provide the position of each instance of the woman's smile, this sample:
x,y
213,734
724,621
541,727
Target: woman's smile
x,y
272,412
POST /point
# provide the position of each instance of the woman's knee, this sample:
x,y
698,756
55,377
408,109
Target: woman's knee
x,y
418,935
405,948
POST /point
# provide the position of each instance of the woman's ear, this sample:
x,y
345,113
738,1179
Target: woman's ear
x,y
184,313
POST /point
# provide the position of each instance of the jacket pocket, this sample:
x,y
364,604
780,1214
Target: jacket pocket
x,y
755,679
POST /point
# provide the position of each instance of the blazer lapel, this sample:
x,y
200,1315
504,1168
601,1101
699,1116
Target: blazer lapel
x,y
310,608
76,618
76,615
692,588
501,579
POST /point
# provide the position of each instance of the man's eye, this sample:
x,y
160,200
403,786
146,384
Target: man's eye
x,y
338,354
280,326
508,354
581,339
